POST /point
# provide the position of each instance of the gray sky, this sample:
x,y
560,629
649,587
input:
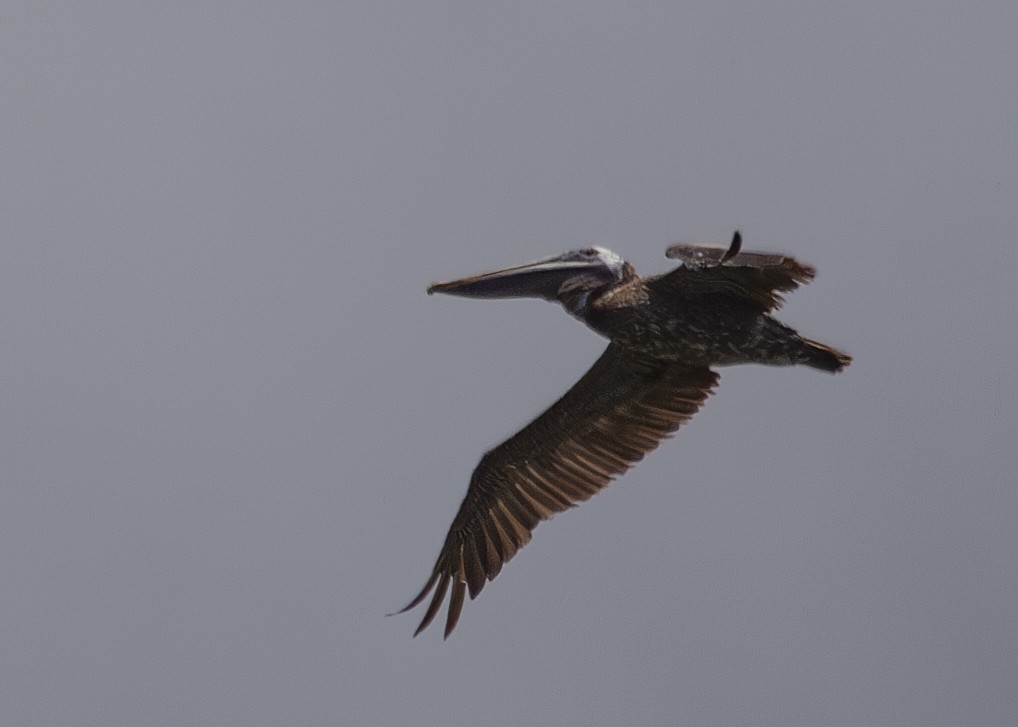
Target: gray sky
x,y
234,430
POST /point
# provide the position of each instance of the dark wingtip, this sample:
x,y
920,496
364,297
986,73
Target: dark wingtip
x,y
436,602
733,248
419,597
459,589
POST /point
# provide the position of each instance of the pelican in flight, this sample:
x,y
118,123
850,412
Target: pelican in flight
x,y
665,334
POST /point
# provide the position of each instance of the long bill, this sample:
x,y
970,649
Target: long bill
x,y
538,279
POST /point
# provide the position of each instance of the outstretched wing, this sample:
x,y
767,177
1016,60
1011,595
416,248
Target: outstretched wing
x,y
760,277
618,412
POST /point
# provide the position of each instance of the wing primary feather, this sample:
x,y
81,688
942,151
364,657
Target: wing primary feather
x,y
535,501
520,534
552,494
572,469
420,596
554,479
549,494
500,536
455,607
436,603
527,516
591,465
508,528
575,488
493,555
624,453
474,570
619,463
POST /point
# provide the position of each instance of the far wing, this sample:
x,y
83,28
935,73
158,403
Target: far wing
x,y
757,276
618,412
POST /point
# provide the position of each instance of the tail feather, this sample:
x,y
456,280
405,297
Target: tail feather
x,y
823,357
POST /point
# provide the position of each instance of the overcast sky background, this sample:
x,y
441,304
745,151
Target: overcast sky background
x,y
234,430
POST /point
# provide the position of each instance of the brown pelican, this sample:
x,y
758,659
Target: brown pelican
x,y
665,333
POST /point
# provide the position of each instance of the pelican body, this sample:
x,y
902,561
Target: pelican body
x,y
665,332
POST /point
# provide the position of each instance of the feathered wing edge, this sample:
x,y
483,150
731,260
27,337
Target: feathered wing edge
x,y
620,410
